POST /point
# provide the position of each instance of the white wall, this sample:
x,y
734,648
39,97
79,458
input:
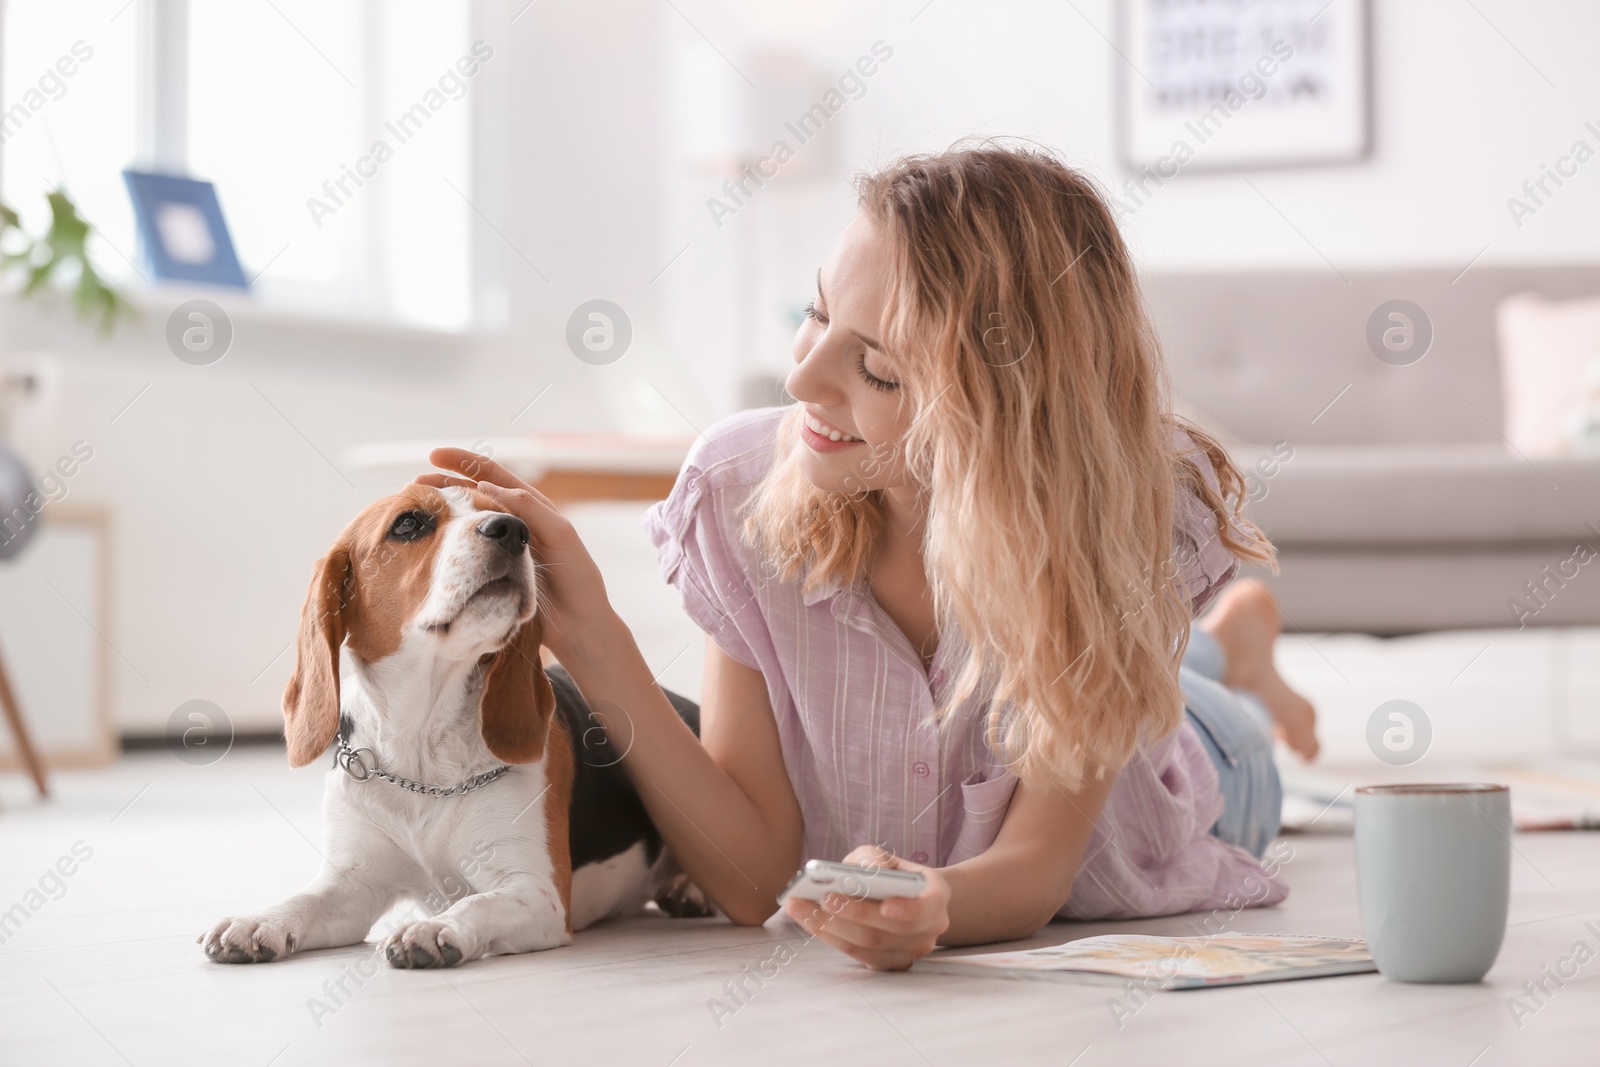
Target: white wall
x,y
222,503
1461,121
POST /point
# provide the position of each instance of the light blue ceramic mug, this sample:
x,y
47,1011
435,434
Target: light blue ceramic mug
x,y
1433,873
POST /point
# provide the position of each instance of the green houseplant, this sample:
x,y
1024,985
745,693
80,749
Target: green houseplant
x,y
63,247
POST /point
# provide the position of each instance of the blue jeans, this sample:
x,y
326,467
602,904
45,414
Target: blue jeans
x,y
1236,730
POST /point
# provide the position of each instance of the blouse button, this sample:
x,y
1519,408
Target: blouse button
x,y
919,856
919,769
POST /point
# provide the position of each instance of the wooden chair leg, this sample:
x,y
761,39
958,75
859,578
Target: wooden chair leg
x,y
19,730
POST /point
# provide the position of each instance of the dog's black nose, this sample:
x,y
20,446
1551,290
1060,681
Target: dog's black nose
x,y
510,531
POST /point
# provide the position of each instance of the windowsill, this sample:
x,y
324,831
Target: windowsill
x,y
156,301
51,320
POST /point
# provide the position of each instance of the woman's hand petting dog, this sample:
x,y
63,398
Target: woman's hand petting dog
x,y
575,593
886,935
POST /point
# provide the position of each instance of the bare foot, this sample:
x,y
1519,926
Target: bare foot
x,y
1244,622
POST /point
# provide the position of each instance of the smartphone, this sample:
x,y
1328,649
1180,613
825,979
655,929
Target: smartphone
x,y
818,878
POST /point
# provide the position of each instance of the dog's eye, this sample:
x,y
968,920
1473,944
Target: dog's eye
x,y
411,526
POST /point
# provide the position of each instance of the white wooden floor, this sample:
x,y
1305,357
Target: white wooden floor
x,y
104,970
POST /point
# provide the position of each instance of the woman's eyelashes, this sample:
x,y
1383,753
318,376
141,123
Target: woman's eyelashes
x,y
872,379
867,376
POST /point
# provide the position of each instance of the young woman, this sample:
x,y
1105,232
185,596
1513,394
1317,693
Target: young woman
x,y
949,591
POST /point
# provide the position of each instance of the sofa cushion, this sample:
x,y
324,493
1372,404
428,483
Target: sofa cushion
x,y
1549,351
1375,495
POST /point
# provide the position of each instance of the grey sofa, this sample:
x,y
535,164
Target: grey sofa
x,y
1395,501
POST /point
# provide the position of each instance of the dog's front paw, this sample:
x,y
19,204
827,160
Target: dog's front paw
x,y
424,943
251,940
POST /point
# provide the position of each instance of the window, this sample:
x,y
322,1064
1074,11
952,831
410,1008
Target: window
x,y
73,131
333,129
270,116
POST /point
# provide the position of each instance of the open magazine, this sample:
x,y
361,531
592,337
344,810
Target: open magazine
x,y
1168,962
1551,792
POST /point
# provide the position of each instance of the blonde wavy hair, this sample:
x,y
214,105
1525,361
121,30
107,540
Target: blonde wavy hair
x,y
1043,448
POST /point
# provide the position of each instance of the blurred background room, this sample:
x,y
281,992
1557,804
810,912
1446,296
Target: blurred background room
x,y
1370,235
262,254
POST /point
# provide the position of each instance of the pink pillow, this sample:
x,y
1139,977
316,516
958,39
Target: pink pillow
x,y
1548,350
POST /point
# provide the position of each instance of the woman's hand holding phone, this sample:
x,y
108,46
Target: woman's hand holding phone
x,y
886,935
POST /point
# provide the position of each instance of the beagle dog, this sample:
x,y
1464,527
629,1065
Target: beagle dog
x,y
467,779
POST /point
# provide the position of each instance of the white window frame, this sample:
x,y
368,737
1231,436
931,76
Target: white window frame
x,y
162,143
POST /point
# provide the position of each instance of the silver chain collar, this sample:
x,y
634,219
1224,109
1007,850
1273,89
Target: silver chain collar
x,y
367,760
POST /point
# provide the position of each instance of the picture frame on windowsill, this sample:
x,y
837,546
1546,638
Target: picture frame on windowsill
x,y
182,231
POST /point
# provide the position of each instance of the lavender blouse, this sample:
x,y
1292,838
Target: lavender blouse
x,y
853,707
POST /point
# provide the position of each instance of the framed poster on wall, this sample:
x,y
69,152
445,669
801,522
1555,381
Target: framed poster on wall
x,y
1243,84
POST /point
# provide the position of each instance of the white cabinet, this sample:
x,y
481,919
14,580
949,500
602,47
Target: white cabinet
x,y
54,640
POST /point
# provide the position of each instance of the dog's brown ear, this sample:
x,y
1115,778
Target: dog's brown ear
x,y
517,698
311,699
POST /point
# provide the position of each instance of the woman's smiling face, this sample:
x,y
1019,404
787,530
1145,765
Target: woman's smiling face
x,y
847,386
